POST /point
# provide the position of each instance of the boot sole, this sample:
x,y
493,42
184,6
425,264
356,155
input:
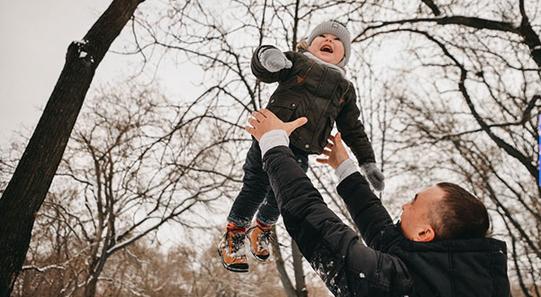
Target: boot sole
x,y
259,258
242,269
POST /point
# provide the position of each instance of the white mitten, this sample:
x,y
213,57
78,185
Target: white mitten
x,y
274,60
374,176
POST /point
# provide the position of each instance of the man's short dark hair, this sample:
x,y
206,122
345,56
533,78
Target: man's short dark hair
x,y
461,214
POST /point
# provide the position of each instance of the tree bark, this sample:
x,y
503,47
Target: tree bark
x,y
30,183
289,289
300,283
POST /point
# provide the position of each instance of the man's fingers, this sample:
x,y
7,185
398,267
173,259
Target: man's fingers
x,y
253,122
291,126
331,138
326,152
249,129
265,112
338,140
298,122
258,116
322,160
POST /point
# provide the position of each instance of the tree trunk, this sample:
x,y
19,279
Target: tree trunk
x,y
90,288
300,284
28,187
280,265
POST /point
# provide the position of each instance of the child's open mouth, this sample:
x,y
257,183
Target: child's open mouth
x,y
326,48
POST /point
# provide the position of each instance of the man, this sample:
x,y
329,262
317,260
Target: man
x,y
438,248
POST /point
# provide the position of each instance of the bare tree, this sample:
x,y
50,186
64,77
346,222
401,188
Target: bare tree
x,y
466,96
448,90
123,177
28,187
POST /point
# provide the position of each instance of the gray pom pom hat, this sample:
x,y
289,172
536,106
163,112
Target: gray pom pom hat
x,y
338,30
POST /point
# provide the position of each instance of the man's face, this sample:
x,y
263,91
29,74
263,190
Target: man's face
x,y
415,218
328,48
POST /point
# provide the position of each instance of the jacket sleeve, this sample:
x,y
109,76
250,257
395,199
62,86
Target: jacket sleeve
x,y
346,265
365,208
263,74
352,129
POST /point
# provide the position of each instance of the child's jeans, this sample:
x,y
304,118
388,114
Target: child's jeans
x,y
256,189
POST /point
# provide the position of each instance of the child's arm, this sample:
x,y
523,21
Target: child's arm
x,y
270,65
371,218
355,137
352,130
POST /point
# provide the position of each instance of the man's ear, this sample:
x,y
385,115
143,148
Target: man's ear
x,y
426,234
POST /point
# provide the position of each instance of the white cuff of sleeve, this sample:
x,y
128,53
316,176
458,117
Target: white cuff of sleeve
x,y
345,169
273,139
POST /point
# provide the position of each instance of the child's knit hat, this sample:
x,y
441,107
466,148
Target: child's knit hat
x,y
338,30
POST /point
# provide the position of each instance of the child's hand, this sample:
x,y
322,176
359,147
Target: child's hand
x,y
374,176
274,60
263,121
335,151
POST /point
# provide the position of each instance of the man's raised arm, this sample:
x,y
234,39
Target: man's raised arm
x,y
346,265
363,205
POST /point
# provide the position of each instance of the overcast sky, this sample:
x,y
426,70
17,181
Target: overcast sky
x,y
34,37
34,40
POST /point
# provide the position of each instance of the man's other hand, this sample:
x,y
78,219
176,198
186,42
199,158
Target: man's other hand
x,y
263,120
335,151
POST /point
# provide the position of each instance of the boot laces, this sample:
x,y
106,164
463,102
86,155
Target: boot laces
x,y
238,243
264,238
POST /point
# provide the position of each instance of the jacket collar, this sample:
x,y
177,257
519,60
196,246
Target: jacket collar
x,y
319,61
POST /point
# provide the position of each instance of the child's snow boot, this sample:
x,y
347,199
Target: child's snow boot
x,y
231,249
259,236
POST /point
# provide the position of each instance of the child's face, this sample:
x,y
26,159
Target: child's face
x,y
328,48
415,219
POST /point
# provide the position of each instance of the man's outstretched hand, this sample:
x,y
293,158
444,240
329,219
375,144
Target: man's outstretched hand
x,y
335,151
263,121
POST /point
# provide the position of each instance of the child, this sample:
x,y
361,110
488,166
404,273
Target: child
x,y
312,84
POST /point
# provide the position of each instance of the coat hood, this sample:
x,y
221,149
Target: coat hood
x,y
472,267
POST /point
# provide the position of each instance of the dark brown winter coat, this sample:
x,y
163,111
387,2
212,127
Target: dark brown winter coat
x,y
324,96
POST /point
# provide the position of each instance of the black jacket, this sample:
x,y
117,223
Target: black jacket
x,y
324,96
390,265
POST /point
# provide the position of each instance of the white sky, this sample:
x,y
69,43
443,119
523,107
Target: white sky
x,y
35,36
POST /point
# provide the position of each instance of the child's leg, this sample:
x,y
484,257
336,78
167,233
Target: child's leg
x,y
255,187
